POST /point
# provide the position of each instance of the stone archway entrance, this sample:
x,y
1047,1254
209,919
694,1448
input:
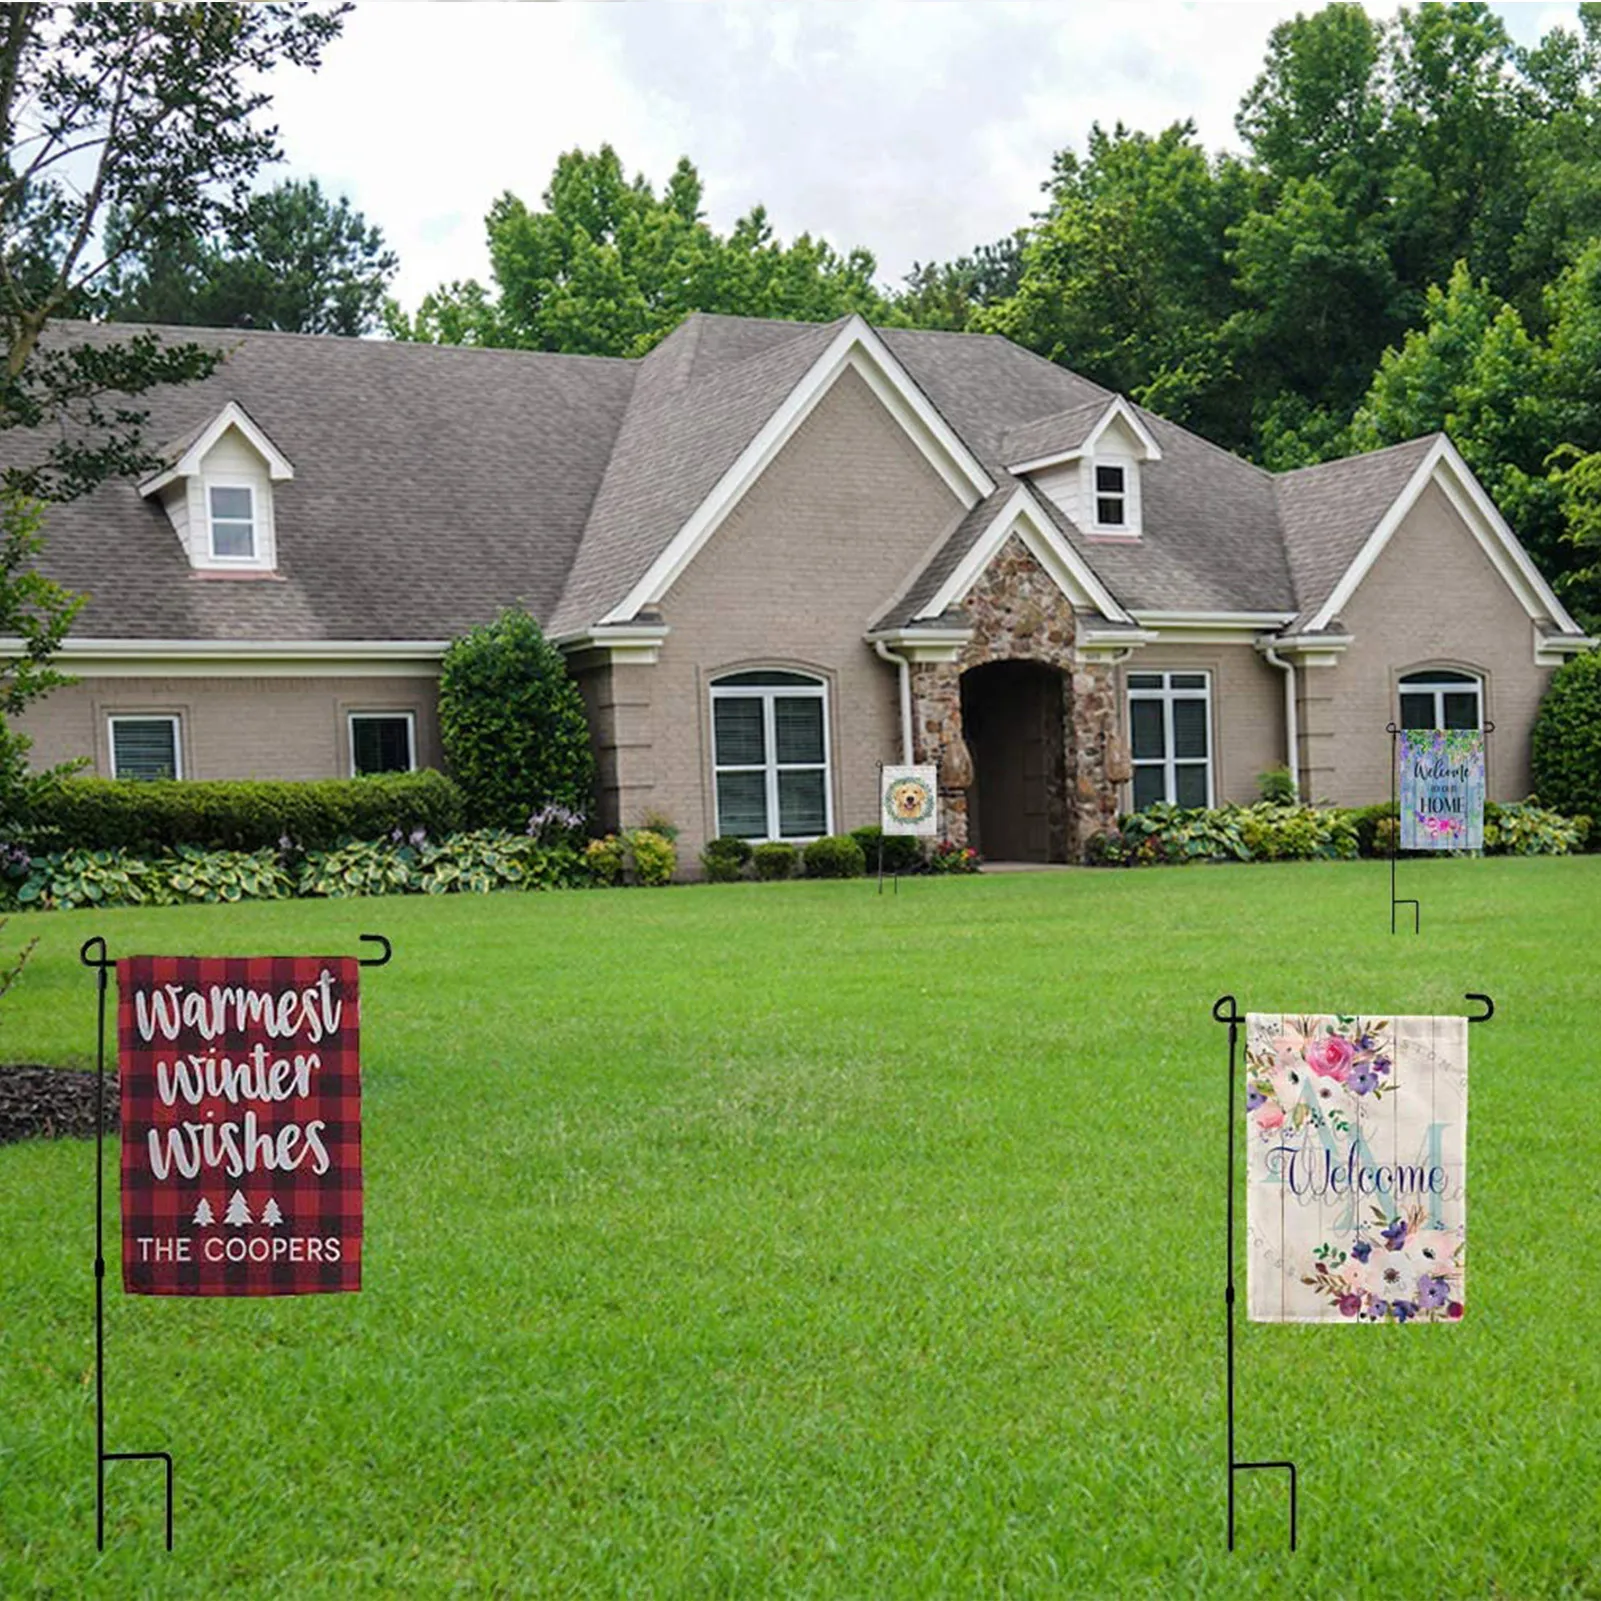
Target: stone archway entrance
x,y
1012,716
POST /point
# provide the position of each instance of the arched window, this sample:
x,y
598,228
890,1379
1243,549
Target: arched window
x,y
1442,698
770,755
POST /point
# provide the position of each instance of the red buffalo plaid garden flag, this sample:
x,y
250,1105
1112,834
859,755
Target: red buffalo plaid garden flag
x,y
241,1125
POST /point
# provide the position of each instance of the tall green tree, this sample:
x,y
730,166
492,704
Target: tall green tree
x,y
608,267
950,294
1124,277
292,259
151,113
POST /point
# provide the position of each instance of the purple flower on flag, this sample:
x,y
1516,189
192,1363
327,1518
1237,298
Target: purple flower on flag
x,y
1379,1310
1350,1305
1361,1250
1254,1098
1395,1235
1364,1080
1432,1292
1403,1310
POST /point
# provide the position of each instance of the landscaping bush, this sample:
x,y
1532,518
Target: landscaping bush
x,y
903,853
725,859
193,874
1566,743
603,859
1267,832
240,815
363,867
1523,828
652,856
1372,836
65,879
949,857
834,856
1277,786
774,860
513,725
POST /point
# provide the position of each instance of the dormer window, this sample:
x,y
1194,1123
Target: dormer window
x,y
233,521
1111,495
217,492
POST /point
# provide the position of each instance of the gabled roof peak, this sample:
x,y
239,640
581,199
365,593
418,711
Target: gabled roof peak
x,y
184,456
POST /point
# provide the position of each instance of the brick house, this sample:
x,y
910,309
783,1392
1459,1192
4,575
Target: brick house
x,y
776,555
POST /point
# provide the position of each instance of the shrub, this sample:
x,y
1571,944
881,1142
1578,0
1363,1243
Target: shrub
x,y
1566,742
363,867
239,815
949,857
64,879
1527,829
903,853
512,723
1267,832
653,857
725,859
193,874
834,856
1372,836
1277,786
774,860
603,859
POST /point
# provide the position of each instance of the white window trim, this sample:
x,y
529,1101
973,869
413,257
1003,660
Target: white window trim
x,y
1169,762
147,717
1440,688
815,687
410,718
257,555
1129,528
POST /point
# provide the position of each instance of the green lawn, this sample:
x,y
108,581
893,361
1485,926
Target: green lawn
x,y
765,1239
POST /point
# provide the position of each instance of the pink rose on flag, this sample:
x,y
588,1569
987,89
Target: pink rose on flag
x,y
1270,1117
1330,1056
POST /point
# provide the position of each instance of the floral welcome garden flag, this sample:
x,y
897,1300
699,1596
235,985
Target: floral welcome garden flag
x,y
1442,789
1356,1177
241,1125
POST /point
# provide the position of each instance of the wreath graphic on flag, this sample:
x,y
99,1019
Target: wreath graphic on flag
x,y
909,800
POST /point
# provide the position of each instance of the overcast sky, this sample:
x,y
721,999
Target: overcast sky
x,y
918,128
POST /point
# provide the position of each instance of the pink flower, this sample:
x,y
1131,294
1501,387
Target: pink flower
x,y
1454,1310
1270,1117
1350,1305
1330,1056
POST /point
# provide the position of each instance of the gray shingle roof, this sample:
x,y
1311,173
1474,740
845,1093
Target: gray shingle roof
x,y
1051,436
434,485
1328,511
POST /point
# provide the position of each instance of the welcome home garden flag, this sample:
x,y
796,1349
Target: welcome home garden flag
x,y
909,800
241,1124
1356,1177
1442,789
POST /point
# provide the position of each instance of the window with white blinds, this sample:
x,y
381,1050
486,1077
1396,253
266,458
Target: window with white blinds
x,y
770,755
145,747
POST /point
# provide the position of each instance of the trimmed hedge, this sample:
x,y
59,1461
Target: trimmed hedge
x,y
834,856
1565,746
903,853
98,814
1171,835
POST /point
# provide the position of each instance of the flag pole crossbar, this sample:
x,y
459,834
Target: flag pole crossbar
x,y
1225,1011
93,954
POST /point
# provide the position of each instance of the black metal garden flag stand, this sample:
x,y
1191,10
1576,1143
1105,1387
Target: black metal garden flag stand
x,y
1395,819
1225,1011
93,953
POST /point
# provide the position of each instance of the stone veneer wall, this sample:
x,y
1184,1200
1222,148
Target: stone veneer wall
x,y
1019,614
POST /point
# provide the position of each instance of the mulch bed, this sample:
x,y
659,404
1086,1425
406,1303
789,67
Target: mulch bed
x,y
49,1102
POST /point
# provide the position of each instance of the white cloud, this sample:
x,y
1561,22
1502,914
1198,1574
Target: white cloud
x,y
915,129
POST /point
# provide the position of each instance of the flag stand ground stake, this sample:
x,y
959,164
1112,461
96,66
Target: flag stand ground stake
x,y
1224,1011
93,954
1395,820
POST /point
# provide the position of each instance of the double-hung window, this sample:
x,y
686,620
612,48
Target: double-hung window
x,y
1111,495
1442,699
1170,738
382,742
232,509
145,747
770,755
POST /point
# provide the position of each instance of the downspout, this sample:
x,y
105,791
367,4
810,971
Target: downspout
x,y
886,654
1292,732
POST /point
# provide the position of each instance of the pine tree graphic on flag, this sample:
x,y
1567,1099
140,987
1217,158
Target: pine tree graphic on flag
x,y
203,1213
238,1212
270,1215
